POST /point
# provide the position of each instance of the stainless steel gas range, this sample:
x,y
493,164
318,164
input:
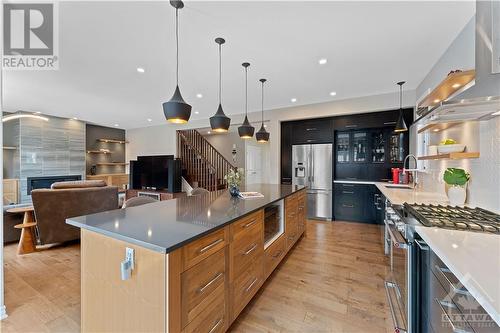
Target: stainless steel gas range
x,y
407,253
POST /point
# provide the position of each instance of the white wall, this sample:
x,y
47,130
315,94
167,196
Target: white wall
x,y
161,139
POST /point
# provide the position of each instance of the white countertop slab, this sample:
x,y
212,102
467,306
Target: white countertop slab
x,y
398,196
474,258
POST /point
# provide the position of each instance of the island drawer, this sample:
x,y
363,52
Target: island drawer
x,y
291,199
202,285
240,227
202,248
245,249
212,320
246,285
273,255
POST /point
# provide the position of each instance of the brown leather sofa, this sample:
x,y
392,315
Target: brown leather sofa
x,y
69,199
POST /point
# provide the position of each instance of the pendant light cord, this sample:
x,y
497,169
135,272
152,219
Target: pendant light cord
x,y
220,73
177,44
246,91
262,103
400,96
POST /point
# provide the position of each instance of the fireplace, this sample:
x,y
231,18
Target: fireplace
x,y
46,181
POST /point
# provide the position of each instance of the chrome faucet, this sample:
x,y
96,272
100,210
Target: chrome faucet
x,y
413,171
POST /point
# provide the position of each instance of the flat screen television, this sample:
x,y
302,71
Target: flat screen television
x,y
150,172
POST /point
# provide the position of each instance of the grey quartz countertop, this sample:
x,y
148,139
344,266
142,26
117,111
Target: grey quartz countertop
x,y
167,225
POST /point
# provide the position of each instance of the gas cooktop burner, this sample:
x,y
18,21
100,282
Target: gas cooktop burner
x,y
458,218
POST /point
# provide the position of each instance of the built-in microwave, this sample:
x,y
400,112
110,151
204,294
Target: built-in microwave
x,y
274,223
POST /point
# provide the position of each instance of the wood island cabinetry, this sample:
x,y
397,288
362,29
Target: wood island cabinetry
x,y
201,286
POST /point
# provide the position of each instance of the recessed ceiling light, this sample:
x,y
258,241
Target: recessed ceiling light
x,y
116,125
209,132
199,95
197,112
150,120
333,93
75,118
140,70
437,100
323,61
436,130
293,100
456,85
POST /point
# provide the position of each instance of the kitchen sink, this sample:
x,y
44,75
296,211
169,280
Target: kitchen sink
x,y
405,187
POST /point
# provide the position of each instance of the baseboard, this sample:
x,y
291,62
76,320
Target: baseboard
x,y
3,312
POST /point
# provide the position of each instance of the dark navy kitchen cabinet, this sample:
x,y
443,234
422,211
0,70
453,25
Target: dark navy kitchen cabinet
x,y
358,203
312,131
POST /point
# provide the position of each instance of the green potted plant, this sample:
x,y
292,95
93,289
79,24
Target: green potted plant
x,y
234,178
456,179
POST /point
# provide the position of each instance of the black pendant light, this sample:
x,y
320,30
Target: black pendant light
x,y
246,130
400,124
219,122
176,110
262,135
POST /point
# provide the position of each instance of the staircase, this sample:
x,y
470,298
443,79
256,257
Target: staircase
x,y
202,164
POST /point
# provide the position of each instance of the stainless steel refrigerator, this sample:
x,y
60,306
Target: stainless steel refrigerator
x,y
312,166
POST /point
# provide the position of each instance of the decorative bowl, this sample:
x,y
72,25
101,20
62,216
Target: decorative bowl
x,y
454,148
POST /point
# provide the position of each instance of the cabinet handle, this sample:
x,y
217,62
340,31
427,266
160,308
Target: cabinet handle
x,y
311,129
347,192
352,178
310,140
251,285
277,255
301,207
347,185
292,237
456,289
351,126
216,325
202,289
211,245
390,123
347,206
249,224
250,249
448,318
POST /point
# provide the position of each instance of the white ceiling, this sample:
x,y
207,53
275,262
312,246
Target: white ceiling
x,y
369,47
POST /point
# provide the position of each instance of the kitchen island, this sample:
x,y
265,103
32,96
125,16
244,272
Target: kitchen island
x,y
197,261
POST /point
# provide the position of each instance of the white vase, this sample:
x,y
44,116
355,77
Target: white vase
x,y
457,195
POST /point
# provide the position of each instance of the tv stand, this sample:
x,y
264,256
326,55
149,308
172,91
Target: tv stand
x,y
155,194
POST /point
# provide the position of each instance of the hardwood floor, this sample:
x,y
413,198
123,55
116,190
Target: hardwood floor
x,y
332,281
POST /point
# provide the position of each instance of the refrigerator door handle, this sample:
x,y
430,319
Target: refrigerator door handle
x,y
312,165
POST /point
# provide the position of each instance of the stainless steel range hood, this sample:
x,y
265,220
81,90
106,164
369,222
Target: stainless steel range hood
x,y
479,100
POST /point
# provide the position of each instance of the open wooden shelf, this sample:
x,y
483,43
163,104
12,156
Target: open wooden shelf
x,y
437,127
112,141
98,152
450,156
450,85
111,164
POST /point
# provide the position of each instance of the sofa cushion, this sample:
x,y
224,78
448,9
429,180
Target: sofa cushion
x,y
78,184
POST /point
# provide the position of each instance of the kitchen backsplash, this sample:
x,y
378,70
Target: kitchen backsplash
x,y
484,186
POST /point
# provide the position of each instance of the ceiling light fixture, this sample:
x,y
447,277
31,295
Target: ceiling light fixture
x,y
176,110
116,125
149,120
23,115
262,135
333,93
323,61
75,118
293,100
246,130
140,70
199,95
219,122
437,100
196,112
400,124
456,85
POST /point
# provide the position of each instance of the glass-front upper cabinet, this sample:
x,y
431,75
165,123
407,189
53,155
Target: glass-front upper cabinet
x,y
397,147
360,147
343,147
378,147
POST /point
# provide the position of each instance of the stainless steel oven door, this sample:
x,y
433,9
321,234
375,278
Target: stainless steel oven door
x,y
397,284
